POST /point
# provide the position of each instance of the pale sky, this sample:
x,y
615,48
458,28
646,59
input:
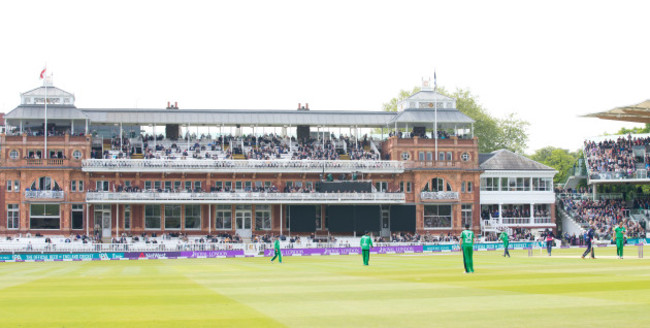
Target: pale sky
x,y
548,61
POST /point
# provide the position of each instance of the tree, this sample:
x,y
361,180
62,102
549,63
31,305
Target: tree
x,y
492,133
635,130
512,133
391,105
560,159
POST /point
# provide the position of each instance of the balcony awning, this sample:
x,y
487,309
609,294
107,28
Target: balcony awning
x,y
248,117
426,117
37,112
639,113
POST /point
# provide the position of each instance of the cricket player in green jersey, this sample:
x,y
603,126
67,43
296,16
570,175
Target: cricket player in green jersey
x,y
276,247
467,246
619,238
366,243
506,242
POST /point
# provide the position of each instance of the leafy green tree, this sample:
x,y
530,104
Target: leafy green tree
x,y
391,105
635,130
512,132
493,133
560,159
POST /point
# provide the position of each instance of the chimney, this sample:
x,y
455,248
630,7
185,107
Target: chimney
x,y
168,104
176,104
307,105
298,105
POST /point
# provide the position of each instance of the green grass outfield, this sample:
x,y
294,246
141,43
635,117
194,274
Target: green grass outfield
x,y
333,291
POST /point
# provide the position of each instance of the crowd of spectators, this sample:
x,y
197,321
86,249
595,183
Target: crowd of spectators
x,y
614,158
272,188
580,190
603,215
517,234
421,133
54,132
514,211
265,147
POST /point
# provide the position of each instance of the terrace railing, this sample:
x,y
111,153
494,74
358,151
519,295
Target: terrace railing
x,y
44,194
249,166
439,195
519,221
245,197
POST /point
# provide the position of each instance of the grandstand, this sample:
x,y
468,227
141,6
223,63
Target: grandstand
x,y
611,161
106,173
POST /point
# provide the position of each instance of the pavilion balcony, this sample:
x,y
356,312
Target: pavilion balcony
x,y
41,163
439,195
44,194
46,162
520,221
243,166
243,198
440,165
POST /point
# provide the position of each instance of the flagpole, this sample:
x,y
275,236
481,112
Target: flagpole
x,y
435,117
45,132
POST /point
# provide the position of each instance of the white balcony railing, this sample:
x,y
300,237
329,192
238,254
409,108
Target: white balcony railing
x,y
244,197
519,221
439,195
44,194
542,219
209,165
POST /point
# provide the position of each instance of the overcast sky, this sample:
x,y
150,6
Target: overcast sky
x,y
547,61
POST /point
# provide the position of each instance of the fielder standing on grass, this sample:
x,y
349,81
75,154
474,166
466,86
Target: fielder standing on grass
x,y
366,243
506,242
278,252
619,238
467,247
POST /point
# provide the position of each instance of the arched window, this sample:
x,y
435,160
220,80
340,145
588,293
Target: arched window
x,y
45,183
437,184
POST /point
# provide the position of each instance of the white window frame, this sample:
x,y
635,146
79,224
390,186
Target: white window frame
x,y
13,216
263,213
77,208
438,215
127,217
152,206
185,216
169,209
223,212
464,210
58,216
102,185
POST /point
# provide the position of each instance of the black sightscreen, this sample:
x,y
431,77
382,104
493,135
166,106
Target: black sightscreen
x,y
348,218
302,218
402,218
340,218
343,186
367,218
